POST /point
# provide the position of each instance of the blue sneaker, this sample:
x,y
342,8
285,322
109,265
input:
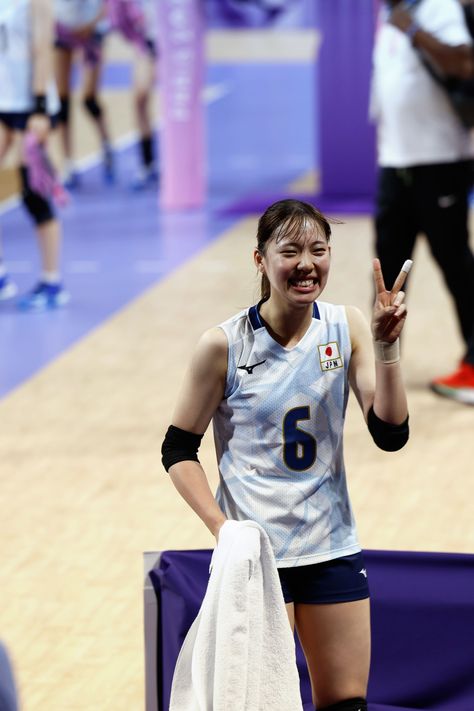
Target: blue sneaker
x,y
44,296
145,178
7,288
72,180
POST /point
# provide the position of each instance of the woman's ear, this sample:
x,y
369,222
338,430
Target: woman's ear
x,y
258,259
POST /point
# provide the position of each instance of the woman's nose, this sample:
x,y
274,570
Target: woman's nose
x,y
305,261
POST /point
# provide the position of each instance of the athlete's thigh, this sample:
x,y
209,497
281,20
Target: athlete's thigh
x,y
6,137
336,642
290,609
62,67
143,73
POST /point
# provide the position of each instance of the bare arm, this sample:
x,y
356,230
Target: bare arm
x,y
452,61
375,384
379,385
202,391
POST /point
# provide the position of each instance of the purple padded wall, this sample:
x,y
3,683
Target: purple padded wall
x,y
422,626
346,138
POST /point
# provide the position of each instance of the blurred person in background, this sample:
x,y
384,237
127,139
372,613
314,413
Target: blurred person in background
x,y
425,154
81,27
28,99
137,21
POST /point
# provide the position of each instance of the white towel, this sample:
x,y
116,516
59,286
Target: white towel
x,y
239,654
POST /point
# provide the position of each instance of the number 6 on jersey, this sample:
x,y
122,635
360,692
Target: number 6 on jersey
x,y
299,447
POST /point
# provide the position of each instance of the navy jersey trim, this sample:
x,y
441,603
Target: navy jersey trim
x,y
254,316
256,321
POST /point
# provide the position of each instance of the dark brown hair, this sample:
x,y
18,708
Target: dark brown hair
x,y
287,218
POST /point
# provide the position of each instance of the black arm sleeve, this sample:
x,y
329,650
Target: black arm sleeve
x,y
388,437
179,446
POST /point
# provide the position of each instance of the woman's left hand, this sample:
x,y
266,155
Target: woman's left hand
x,y
390,312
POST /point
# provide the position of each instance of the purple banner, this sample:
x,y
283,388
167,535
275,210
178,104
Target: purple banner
x,y
182,139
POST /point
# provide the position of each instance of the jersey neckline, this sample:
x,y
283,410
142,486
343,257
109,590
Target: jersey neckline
x,y
257,324
256,321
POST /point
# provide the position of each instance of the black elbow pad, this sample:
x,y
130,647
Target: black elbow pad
x,y
388,437
179,446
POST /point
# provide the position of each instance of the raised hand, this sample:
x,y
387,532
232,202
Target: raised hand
x,y
389,313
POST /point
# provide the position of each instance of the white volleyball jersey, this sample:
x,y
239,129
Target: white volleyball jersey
x,y
278,435
16,73
75,13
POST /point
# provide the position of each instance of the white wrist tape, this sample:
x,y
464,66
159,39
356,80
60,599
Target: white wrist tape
x,y
386,352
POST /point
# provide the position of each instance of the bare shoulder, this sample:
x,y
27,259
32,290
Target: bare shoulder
x,y
358,325
213,342
215,336
211,350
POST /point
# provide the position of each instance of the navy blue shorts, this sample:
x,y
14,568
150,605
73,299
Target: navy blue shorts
x,y
338,580
16,121
91,47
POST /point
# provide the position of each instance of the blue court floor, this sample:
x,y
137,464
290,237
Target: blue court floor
x,y
118,243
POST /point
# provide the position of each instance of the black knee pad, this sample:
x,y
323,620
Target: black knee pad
x,y
355,704
63,115
92,106
39,207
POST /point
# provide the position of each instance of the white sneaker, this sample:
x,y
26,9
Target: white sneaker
x,y
144,178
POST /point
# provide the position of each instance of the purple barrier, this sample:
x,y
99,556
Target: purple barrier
x,y
183,154
422,627
346,139
236,14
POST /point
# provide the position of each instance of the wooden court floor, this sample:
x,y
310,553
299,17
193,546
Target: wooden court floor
x,y
83,493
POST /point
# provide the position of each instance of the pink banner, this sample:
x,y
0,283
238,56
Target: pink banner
x,y
181,72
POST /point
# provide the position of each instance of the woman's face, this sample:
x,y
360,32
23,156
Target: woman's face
x,y
297,267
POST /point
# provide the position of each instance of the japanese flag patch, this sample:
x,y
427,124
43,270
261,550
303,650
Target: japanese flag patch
x,y
329,356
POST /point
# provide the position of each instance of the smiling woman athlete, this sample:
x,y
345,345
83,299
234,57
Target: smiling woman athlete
x,y
275,381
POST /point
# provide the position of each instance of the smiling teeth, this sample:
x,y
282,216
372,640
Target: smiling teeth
x,y
306,282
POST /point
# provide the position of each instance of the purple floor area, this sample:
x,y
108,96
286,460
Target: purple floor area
x,y
118,243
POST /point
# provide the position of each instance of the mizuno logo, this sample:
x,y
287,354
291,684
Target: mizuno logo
x,y
249,368
363,572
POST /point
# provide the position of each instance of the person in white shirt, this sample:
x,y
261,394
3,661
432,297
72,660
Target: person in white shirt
x,y
275,381
28,100
425,155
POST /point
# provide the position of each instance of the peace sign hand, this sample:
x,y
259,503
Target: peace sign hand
x,y
389,312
